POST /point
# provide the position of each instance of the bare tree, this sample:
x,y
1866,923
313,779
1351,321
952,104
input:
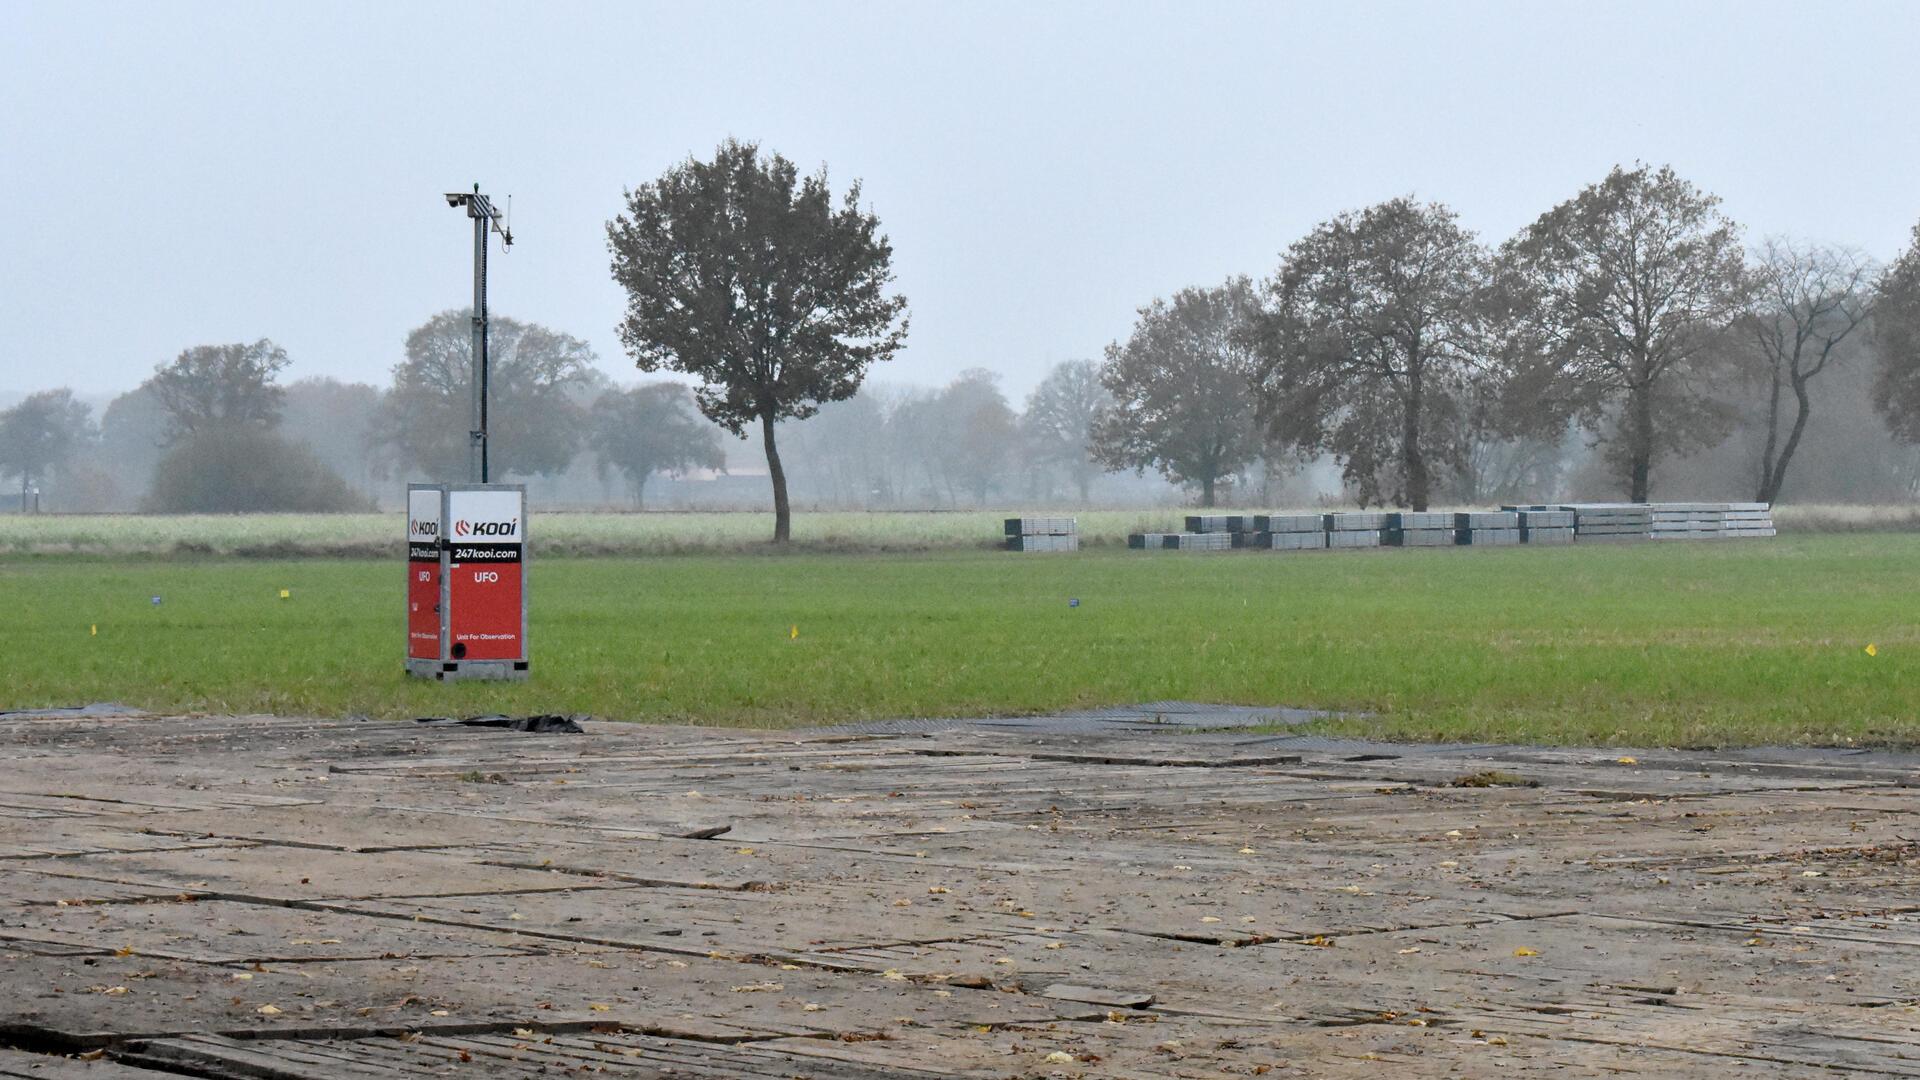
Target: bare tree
x,y
1811,299
1060,416
1372,335
1183,389
1624,294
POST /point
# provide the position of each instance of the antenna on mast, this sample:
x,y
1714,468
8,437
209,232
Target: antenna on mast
x,y
485,219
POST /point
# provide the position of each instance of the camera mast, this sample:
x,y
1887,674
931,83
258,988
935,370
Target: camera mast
x,y
485,219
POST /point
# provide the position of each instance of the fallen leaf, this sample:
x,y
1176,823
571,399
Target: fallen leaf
x,y
267,1010
1524,951
597,1007
1626,761
1059,1057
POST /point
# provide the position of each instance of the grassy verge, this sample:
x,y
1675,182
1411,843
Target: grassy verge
x,y
1674,644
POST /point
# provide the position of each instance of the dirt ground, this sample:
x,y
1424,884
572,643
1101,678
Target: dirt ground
x,y
288,898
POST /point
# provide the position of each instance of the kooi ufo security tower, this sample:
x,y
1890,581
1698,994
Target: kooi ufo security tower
x,y
467,543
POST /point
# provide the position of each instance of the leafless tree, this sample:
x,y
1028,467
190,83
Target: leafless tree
x,y
1810,299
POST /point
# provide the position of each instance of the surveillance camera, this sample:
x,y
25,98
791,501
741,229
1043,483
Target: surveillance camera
x,y
455,198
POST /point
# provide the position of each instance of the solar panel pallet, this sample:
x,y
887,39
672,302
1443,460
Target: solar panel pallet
x,y
1290,523
1148,541
1044,542
1419,538
1222,523
1487,537
1042,526
1358,522
1290,541
1486,519
1546,519
1203,541
1611,522
1353,538
1546,536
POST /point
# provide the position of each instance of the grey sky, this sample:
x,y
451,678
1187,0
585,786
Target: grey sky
x,y
175,174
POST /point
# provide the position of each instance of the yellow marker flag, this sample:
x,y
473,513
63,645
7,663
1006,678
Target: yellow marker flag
x,y
94,630
793,633
285,593
1872,649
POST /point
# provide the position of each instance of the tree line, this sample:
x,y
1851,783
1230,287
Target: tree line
x,y
1394,342
1620,336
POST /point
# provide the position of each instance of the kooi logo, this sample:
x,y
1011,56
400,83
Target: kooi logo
x,y
463,527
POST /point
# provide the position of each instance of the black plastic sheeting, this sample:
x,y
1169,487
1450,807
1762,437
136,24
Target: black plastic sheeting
x,y
98,708
548,724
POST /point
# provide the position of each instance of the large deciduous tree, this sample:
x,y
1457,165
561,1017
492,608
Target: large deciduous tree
x,y
211,388
1059,420
533,422
1896,332
1373,334
1182,386
651,428
1625,293
1810,300
40,434
755,280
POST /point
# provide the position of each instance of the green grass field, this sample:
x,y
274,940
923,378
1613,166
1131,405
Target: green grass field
x,y
1674,644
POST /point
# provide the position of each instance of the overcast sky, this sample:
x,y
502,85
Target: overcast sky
x,y
175,174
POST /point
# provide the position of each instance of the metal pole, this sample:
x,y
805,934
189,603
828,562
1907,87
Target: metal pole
x,y
479,433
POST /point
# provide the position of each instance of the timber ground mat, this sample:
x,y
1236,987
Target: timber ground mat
x,y
295,898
